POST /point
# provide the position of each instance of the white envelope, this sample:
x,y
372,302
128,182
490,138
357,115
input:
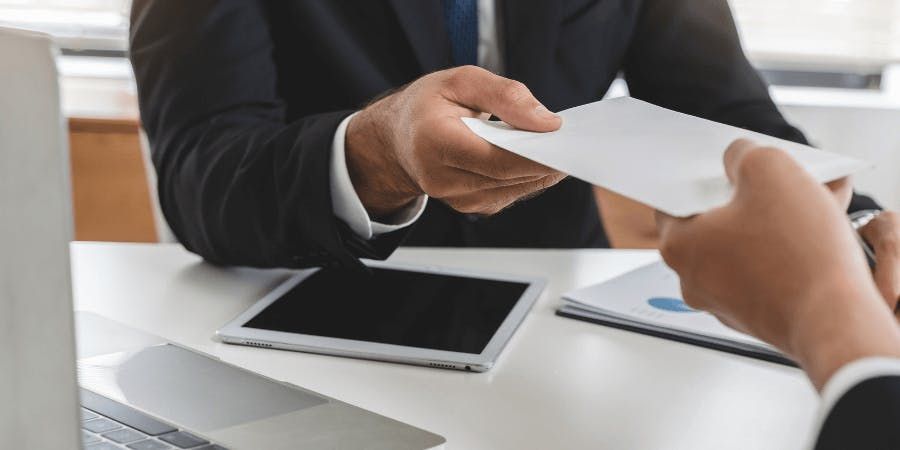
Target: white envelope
x,y
665,159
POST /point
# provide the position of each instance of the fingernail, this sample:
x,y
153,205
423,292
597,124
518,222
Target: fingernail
x,y
544,113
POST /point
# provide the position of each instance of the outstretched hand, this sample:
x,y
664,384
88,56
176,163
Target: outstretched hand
x,y
413,142
780,262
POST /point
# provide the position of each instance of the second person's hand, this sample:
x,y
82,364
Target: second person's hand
x,y
780,262
883,233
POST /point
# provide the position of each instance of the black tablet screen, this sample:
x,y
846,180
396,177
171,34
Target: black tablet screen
x,y
440,312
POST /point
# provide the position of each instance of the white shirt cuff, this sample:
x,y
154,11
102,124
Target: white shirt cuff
x,y
346,203
847,377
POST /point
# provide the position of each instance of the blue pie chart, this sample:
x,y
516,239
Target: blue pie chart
x,y
670,304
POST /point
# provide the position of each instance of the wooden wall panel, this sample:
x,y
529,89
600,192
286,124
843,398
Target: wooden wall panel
x,y
109,188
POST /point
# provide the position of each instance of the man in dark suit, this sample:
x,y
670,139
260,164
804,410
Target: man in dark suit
x,y
779,262
313,132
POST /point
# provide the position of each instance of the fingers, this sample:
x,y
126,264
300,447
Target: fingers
x,y
745,162
883,233
510,100
464,150
454,182
734,154
492,201
753,169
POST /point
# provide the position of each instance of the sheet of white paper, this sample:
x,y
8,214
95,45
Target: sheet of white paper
x,y
665,159
652,295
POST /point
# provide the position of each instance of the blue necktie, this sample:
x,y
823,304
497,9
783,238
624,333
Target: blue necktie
x,y
461,19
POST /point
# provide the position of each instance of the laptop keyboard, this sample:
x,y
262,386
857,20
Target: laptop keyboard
x,y
107,424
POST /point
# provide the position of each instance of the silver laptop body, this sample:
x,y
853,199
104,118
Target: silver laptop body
x,y
37,362
137,390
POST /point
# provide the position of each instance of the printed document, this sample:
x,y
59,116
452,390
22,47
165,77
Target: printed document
x,y
648,299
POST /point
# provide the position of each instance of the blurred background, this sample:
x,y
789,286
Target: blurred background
x,y
833,66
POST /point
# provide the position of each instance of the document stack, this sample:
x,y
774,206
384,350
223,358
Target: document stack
x,y
648,300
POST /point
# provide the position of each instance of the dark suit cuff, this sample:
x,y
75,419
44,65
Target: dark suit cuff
x,y
328,241
860,202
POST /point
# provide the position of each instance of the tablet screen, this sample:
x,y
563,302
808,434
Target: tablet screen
x,y
415,309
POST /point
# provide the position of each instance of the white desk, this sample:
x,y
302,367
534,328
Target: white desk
x,y
559,384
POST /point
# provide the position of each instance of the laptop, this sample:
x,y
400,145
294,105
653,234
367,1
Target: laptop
x,y
134,390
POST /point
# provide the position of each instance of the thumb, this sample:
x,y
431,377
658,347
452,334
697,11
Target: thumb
x,y
510,100
753,169
734,155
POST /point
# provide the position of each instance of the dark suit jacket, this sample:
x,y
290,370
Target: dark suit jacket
x,y
866,417
241,98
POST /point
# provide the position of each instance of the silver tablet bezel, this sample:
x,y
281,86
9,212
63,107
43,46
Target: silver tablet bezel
x,y
235,333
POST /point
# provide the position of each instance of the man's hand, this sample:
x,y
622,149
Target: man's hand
x,y
780,262
883,234
413,142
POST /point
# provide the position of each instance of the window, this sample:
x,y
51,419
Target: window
x,y
782,33
858,35
91,26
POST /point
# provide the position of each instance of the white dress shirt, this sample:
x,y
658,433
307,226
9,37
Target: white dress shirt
x,y
345,201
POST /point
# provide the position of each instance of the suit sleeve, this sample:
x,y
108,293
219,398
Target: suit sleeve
x,y
866,416
687,56
238,183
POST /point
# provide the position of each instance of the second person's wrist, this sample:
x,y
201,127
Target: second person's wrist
x,y
846,323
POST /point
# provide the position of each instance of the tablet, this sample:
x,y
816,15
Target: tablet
x,y
437,317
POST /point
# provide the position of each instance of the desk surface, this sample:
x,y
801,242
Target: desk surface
x,y
560,383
